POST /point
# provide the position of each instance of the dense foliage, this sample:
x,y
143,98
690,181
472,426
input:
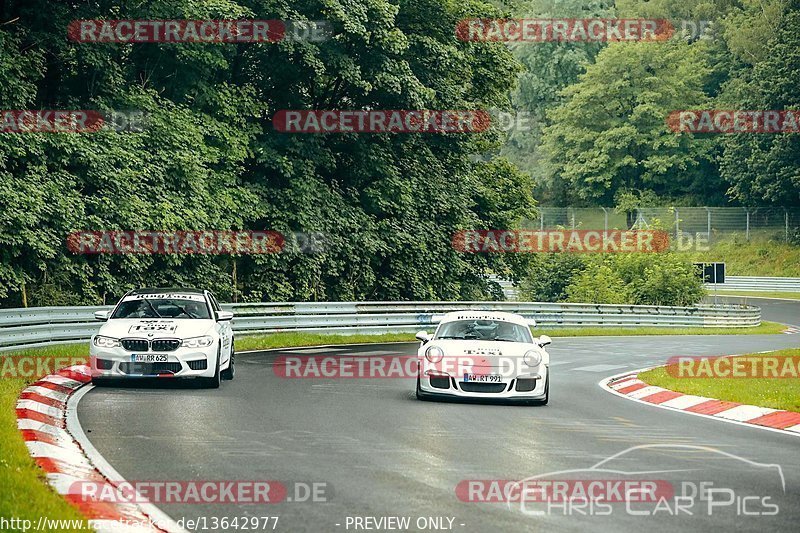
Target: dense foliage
x,y
602,131
209,158
388,204
643,279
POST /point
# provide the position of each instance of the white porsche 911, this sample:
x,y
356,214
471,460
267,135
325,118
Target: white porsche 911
x,y
164,333
484,354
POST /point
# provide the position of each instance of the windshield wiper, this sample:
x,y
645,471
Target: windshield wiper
x,y
151,307
185,312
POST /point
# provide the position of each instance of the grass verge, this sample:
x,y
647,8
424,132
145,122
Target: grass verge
x,y
766,328
25,494
756,294
293,340
758,257
775,393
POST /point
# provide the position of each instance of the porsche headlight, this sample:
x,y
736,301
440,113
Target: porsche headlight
x,y
198,342
434,354
105,342
532,358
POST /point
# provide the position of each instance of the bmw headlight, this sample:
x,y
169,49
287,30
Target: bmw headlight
x,y
532,358
434,354
105,342
198,342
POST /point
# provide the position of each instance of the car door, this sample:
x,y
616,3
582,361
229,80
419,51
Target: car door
x,y
225,331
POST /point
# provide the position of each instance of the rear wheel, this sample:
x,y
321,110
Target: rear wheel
x,y
229,373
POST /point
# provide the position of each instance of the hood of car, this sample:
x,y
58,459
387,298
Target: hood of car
x,y
154,328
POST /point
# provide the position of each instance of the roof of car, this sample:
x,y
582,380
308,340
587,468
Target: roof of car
x,y
158,290
476,314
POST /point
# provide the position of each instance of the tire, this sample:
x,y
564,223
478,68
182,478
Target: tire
x,y
546,393
101,382
419,391
213,383
229,373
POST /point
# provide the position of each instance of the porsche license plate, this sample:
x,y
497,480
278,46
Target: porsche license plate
x,y
148,358
482,378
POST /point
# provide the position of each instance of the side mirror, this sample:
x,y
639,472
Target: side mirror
x,y
544,340
102,315
423,336
223,316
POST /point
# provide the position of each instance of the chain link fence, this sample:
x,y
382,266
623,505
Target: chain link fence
x,y
708,222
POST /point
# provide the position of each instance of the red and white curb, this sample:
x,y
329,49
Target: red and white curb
x,y
791,330
47,419
628,385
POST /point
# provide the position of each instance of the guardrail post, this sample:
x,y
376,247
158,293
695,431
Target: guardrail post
x,y
605,219
747,231
786,219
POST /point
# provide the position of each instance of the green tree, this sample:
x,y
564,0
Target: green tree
x,y
550,275
210,159
549,68
599,284
611,132
764,169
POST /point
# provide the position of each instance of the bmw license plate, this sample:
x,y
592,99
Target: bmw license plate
x,y
148,358
482,378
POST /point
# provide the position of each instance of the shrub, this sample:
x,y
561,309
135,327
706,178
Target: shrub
x,y
549,276
643,279
599,284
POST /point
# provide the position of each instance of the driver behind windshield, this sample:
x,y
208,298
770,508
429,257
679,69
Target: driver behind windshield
x,y
162,308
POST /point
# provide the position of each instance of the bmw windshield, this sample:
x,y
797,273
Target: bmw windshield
x,y
185,306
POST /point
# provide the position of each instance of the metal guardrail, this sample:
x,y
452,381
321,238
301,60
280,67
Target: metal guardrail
x,y
751,283
51,325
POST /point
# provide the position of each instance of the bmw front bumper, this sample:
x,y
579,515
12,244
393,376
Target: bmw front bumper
x,y
181,363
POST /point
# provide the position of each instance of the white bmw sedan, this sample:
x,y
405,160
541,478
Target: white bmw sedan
x,y
164,333
483,354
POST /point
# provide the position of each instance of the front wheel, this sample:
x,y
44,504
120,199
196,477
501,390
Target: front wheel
x,y
420,394
229,373
546,393
213,383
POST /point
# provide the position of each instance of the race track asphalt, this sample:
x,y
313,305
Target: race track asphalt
x,y
382,453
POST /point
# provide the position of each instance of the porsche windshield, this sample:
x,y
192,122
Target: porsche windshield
x,y
484,330
155,306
